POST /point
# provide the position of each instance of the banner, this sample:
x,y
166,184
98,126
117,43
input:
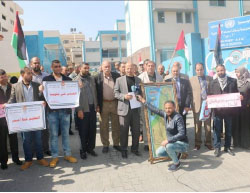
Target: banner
x,y
205,111
61,94
24,117
2,113
224,100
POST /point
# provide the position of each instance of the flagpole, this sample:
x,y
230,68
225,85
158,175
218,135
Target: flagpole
x,y
172,57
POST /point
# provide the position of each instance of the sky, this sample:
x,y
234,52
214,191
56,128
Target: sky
x,y
86,16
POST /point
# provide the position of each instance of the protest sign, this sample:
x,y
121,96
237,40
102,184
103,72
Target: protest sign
x,y
61,94
224,100
27,116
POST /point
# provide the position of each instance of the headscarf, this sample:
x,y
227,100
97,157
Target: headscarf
x,y
223,82
244,76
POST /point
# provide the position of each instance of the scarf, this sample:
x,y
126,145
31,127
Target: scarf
x,y
244,76
223,82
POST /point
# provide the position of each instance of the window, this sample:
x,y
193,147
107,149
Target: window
x,y
3,3
114,38
161,17
4,30
11,10
65,41
94,63
68,58
124,52
78,56
123,37
3,17
165,54
220,3
92,49
188,17
128,36
67,50
11,22
179,18
79,41
110,53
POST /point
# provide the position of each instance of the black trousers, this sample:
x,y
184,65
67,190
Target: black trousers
x,y
132,120
181,109
87,129
4,133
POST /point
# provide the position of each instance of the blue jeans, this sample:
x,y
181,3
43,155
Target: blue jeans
x,y
218,126
28,137
171,149
56,119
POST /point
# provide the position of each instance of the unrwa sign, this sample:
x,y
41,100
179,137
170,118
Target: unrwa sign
x,y
235,32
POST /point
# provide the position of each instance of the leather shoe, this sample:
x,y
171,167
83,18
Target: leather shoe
x,y
18,162
105,149
53,163
4,166
136,152
146,148
229,151
124,154
83,155
197,147
26,165
43,162
70,159
217,152
210,147
117,147
92,152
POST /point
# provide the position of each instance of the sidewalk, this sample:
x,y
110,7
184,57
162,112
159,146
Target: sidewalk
x,y
109,172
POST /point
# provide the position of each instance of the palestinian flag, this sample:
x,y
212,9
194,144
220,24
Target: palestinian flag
x,y
18,42
182,50
217,50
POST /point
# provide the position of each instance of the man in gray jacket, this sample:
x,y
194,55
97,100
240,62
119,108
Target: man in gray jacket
x,y
148,76
86,112
128,117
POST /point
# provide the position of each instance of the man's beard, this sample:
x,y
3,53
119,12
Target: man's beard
x,y
36,69
222,75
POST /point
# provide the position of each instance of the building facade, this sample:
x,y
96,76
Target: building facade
x,y
73,45
153,27
109,45
8,11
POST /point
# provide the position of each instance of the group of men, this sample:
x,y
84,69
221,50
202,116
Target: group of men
x,y
108,93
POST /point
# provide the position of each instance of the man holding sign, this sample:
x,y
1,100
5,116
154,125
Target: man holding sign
x,y
28,91
59,118
5,89
223,85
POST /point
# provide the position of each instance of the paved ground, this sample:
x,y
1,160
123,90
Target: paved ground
x,y
109,172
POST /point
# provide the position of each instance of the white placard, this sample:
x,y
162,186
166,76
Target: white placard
x,y
61,94
27,116
133,102
224,100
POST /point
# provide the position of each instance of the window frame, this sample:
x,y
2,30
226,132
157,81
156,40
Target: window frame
x,y
181,17
190,17
159,18
217,3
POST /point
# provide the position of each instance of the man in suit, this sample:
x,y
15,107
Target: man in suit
x,y
179,65
183,91
199,85
5,89
86,112
58,118
146,77
223,84
128,117
28,91
105,82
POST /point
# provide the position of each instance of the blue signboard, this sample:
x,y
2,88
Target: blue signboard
x,y
235,32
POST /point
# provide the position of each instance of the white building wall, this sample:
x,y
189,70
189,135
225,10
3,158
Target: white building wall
x,y
137,25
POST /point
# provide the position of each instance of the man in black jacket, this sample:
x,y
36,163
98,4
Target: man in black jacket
x,y
183,92
5,90
59,118
105,82
223,85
